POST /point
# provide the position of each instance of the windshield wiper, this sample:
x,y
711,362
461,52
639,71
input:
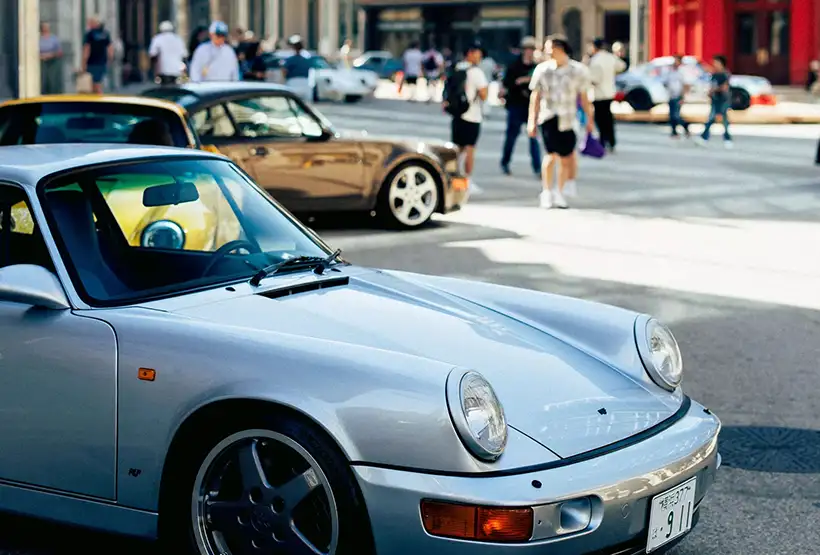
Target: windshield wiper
x,y
318,263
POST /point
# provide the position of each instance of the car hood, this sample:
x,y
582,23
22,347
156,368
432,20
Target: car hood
x,y
561,397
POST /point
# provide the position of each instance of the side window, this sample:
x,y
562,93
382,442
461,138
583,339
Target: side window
x,y
274,117
213,122
20,239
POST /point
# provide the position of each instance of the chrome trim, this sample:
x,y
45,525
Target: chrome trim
x,y
456,409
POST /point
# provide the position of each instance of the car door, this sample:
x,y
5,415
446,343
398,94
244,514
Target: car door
x,y
288,151
58,372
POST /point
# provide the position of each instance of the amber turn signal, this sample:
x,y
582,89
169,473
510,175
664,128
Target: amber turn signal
x,y
147,374
469,522
459,184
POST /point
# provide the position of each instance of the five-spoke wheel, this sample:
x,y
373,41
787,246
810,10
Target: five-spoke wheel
x,y
409,196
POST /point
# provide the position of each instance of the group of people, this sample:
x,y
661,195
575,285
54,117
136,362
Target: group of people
x,y
555,97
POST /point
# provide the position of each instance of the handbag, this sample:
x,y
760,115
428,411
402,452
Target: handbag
x,y
592,147
85,84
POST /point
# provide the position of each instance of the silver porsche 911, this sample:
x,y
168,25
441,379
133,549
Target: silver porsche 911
x,y
180,358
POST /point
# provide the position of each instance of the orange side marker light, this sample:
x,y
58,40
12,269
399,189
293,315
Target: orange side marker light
x,y
147,374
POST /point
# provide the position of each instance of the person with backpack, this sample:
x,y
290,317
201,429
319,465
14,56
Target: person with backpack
x,y
433,66
464,93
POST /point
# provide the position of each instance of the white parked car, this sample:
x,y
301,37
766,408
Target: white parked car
x,y
330,82
642,87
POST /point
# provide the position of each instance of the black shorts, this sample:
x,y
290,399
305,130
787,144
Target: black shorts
x,y
558,142
410,79
465,133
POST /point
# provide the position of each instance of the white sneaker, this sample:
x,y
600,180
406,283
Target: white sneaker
x,y
473,188
571,189
728,145
700,141
559,200
546,199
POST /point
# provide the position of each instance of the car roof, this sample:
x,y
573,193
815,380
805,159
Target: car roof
x,y
112,98
193,95
28,164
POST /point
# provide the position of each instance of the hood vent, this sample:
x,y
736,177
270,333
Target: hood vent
x,y
306,287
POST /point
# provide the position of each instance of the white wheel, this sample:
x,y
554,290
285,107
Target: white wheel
x,y
411,197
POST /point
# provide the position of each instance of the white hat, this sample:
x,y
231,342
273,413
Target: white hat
x,y
166,27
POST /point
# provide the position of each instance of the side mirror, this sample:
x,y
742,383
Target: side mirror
x,y
32,285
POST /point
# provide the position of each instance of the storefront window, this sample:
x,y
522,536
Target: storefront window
x,y
746,33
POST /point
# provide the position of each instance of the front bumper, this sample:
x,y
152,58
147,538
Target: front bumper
x,y
624,480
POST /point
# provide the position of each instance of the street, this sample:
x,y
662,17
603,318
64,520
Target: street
x,y
719,244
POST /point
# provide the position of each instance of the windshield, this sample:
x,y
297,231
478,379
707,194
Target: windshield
x,y
90,122
148,229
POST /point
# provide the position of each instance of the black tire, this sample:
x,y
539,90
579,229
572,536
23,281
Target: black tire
x,y
640,100
383,210
740,99
176,528
352,98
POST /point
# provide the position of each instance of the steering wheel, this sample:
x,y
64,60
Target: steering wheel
x,y
226,249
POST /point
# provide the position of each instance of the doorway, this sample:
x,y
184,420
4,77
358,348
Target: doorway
x,y
616,26
762,35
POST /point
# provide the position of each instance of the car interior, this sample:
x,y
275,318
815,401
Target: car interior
x,y
20,239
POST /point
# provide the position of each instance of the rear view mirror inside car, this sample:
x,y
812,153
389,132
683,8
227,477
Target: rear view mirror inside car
x,y
167,195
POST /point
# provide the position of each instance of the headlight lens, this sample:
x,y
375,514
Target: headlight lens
x,y
660,353
163,234
477,414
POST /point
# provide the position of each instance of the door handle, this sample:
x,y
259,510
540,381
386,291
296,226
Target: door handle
x,y
259,151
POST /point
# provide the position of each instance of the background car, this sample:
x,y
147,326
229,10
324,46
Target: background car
x,y
261,391
291,149
642,87
382,62
331,82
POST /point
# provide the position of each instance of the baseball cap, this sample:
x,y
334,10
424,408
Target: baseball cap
x,y
166,27
295,39
529,42
219,28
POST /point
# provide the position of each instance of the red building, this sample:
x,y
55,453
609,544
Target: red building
x,y
772,38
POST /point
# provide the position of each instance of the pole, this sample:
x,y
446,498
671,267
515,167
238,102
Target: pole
x,y
273,24
28,48
216,13
179,12
540,35
634,32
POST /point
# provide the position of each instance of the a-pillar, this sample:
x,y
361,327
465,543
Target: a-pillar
x,y
28,19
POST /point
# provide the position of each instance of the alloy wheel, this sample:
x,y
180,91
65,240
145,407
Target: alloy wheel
x,y
260,492
413,195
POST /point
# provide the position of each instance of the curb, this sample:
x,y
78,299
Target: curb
x,y
783,113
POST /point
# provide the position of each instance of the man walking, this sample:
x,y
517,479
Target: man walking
x,y
168,52
215,60
413,60
464,93
720,101
297,70
98,52
516,91
559,83
603,67
677,87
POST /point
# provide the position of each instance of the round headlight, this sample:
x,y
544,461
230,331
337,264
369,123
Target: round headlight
x,y
660,353
477,414
163,234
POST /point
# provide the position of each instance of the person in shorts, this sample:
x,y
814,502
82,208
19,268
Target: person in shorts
x,y
466,128
98,51
558,85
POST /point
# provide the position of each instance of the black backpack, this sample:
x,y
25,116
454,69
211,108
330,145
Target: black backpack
x,y
455,93
430,63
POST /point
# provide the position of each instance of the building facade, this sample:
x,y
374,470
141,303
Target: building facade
x,y
775,39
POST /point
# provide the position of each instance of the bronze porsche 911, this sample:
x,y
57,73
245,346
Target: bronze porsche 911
x,y
286,146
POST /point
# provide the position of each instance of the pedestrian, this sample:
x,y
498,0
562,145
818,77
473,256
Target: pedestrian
x,y
51,65
98,52
168,52
412,59
215,60
464,92
677,87
721,100
297,70
346,54
558,85
619,49
516,93
433,66
603,67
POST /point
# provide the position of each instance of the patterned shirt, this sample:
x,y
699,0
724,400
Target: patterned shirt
x,y
559,88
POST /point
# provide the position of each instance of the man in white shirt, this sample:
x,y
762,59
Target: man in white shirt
x,y
215,60
413,61
168,51
677,86
466,91
603,67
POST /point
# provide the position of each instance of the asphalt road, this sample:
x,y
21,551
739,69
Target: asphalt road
x,y
719,244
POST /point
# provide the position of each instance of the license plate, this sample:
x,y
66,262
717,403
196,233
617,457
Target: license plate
x,y
670,515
